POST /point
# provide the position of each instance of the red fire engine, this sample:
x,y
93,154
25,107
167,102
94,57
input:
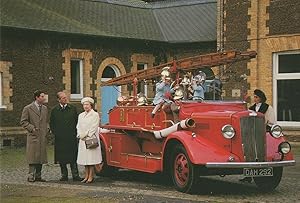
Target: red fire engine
x,y
212,137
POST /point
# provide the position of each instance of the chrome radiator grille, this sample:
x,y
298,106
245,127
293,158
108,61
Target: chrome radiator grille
x,y
253,132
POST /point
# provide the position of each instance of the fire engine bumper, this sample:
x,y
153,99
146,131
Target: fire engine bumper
x,y
250,164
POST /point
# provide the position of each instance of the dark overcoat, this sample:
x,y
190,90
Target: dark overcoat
x,y
63,125
35,122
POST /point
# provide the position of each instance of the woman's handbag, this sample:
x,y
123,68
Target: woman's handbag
x,y
92,143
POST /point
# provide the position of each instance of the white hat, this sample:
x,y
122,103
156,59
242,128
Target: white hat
x,y
165,71
142,101
87,99
178,94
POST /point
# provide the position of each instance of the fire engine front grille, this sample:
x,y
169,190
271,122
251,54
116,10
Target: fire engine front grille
x,y
253,138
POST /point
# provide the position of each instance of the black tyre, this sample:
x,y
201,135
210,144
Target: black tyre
x,y
183,172
106,169
267,184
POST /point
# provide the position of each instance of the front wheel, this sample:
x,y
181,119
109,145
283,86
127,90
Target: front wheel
x,y
269,183
183,172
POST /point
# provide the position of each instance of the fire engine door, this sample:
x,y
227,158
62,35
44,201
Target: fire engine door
x,y
115,149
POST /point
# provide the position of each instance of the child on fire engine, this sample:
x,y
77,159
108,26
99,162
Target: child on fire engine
x,y
198,86
163,91
183,91
175,107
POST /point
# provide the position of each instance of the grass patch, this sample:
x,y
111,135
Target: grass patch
x,y
15,157
56,199
27,193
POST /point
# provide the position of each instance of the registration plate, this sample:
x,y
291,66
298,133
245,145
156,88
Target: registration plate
x,y
258,172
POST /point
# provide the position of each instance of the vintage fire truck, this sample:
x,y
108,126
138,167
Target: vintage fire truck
x,y
212,137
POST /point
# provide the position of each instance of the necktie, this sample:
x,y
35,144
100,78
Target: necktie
x,y
40,108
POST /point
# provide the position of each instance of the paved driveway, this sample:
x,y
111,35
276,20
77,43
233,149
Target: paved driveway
x,y
140,187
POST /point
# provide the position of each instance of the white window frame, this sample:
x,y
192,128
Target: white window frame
x,y
145,86
80,95
282,76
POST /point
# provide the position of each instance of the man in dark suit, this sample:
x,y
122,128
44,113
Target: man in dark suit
x,y
34,120
63,121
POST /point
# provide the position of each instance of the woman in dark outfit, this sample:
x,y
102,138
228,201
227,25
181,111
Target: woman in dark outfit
x,y
261,106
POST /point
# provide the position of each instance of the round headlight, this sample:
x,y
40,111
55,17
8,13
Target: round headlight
x,y
228,131
284,147
276,131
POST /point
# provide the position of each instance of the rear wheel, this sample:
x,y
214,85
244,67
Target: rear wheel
x,y
183,172
106,169
269,183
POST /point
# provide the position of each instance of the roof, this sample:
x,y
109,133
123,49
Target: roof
x,y
166,21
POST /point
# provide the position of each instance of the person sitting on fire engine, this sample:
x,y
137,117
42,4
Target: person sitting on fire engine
x,y
186,86
178,95
163,91
198,86
183,90
260,105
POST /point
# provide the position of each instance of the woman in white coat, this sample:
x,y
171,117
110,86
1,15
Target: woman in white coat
x,y
87,127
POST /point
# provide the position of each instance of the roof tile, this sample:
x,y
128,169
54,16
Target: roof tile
x,y
169,21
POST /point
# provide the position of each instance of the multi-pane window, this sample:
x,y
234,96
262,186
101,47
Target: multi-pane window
x,y
287,87
142,86
76,79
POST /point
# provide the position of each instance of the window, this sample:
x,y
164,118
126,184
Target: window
x,y
1,89
287,87
108,73
142,85
289,63
77,69
76,79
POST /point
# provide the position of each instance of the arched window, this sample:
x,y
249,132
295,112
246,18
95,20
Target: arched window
x,y
108,72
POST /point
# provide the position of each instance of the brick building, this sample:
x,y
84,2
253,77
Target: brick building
x,y
272,29
74,45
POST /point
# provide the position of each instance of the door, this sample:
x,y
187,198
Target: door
x,y
109,94
109,100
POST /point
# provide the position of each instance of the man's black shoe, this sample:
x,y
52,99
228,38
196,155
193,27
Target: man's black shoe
x,y
77,178
63,179
30,179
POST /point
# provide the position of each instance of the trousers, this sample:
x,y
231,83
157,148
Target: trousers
x,y
64,170
35,171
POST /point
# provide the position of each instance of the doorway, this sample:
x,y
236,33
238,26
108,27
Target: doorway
x,y
109,94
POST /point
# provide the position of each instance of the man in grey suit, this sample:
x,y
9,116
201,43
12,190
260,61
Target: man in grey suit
x,y
34,120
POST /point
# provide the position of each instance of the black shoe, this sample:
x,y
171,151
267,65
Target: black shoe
x,y
63,179
246,179
30,179
40,180
84,181
77,178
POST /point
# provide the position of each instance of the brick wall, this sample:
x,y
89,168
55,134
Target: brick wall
x,y
267,27
37,56
282,13
235,37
